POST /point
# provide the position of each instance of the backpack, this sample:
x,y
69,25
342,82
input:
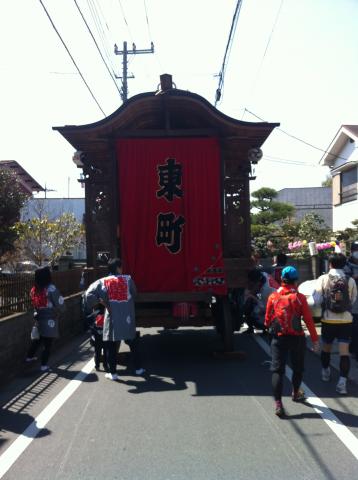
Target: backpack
x,y
286,314
336,295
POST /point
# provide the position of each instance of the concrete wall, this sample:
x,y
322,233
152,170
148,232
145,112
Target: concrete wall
x,y
344,214
15,336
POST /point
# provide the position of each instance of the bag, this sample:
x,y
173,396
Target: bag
x,y
336,295
286,315
35,334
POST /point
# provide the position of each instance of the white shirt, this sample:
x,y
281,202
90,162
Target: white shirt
x,y
318,294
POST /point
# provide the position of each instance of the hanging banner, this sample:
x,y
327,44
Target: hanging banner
x,y
170,214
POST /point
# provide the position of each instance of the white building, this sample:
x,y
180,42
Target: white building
x,y
342,158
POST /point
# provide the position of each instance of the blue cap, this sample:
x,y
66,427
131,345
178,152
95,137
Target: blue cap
x,y
289,273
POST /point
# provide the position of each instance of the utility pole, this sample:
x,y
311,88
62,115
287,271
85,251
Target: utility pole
x,y
125,52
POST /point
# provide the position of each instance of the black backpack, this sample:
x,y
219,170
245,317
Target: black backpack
x,y
336,297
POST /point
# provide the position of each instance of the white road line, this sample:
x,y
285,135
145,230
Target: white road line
x,y
342,432
9,457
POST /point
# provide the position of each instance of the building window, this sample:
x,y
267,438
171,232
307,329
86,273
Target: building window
x,y
349,185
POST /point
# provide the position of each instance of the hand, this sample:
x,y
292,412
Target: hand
x,y
316,347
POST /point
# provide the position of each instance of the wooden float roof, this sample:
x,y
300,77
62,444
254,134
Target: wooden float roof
x,y
178,112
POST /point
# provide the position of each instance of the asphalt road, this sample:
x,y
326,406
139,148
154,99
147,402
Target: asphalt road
x,y
194,416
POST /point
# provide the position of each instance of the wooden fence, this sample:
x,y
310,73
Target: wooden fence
x,y
15,288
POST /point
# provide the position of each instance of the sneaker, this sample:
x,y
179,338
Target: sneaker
x,y
249,331
341,387
44,368
30,359
111,376
279,410
298,396
326,374
140,371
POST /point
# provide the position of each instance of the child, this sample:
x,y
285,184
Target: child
x,y
97,336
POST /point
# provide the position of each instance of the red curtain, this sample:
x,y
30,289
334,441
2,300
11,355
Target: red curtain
x,y
170,214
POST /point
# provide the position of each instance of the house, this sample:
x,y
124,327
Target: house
x,y
26,182
342,158
309,200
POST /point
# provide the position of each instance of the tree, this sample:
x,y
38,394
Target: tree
x,y
42,239
313,228
267,220
269,210
12,198
349,234
327,182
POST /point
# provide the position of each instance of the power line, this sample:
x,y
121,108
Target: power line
x,y
286,161
150,36
99,50
227,51
125,20
101,33
146,16
264,55
73,60
297,138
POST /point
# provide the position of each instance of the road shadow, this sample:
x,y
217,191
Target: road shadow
x,y
175,359
18,423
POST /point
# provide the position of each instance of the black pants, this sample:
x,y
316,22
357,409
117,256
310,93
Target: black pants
x,y
282,347
98,347
111,349
47,343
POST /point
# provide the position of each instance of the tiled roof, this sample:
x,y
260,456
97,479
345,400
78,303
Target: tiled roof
x,y
28,183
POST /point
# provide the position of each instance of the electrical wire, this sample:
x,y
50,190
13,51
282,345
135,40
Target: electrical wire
x,y
263,56
101,33
291,162
227,51
146,16
297,138
98,49
161,69
73,60
125,20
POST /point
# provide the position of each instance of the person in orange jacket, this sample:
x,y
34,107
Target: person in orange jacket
x,y
284,311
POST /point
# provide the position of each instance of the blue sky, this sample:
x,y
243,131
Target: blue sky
x,y
306,80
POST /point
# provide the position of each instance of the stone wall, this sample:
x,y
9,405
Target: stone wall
x,y
15,335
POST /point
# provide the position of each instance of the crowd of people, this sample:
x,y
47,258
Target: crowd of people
x,y
279,313
271,303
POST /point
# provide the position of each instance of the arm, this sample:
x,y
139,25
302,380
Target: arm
x,y
93,295
132,287
307,318
56,298
317,294
268,314
352,290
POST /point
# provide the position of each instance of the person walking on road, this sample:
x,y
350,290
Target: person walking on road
x,y
337,293
48,303
116,292
283,320
352,270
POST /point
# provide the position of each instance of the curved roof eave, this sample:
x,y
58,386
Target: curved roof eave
x,y
124,114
